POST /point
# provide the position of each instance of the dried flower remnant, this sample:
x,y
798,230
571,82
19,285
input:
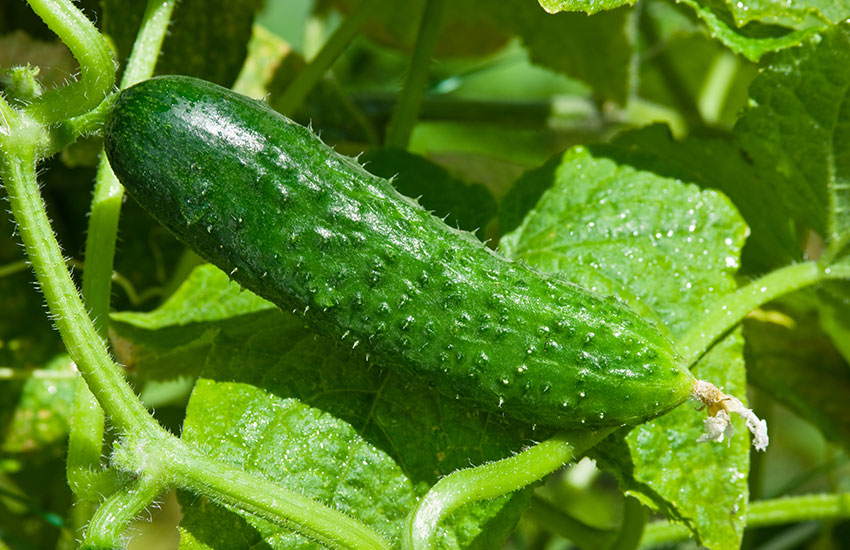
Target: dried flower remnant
x,y
718,425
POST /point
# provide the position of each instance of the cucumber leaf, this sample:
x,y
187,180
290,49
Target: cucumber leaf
x,y
783,12
798,132
755,38
271,363
627,225
606,40
718,163
609,220
295,446
587,6
173,340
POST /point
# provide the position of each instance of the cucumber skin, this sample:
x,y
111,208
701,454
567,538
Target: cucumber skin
x,y
266,201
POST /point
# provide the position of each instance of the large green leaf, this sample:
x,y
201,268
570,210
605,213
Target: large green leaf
x,y
718,163
610,220
587,6
626,225
798,132
173,340
293,445
753,39
265,356
606,42
784,12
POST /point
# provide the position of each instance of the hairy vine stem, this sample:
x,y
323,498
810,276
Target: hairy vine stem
x,y
731,309
97,69
491,481
87,427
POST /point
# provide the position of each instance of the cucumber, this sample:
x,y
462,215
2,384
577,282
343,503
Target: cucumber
x,y
266,201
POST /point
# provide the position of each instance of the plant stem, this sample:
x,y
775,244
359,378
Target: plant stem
x,y
715,88
66,132
97,70
632,526
555,520
85,446
108,523
312,519
86,348
762,513
148,42
318,66
729,310
407,108
86,435
7,373
12,268
798,508
490,481
109,193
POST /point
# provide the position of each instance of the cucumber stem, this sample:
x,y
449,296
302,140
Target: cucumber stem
x,y
312,519
86,348
97,69
407,108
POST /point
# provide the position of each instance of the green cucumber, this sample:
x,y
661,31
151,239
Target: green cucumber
x,y
266,201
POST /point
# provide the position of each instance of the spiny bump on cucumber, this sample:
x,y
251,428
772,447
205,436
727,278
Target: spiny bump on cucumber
x,y
264,199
